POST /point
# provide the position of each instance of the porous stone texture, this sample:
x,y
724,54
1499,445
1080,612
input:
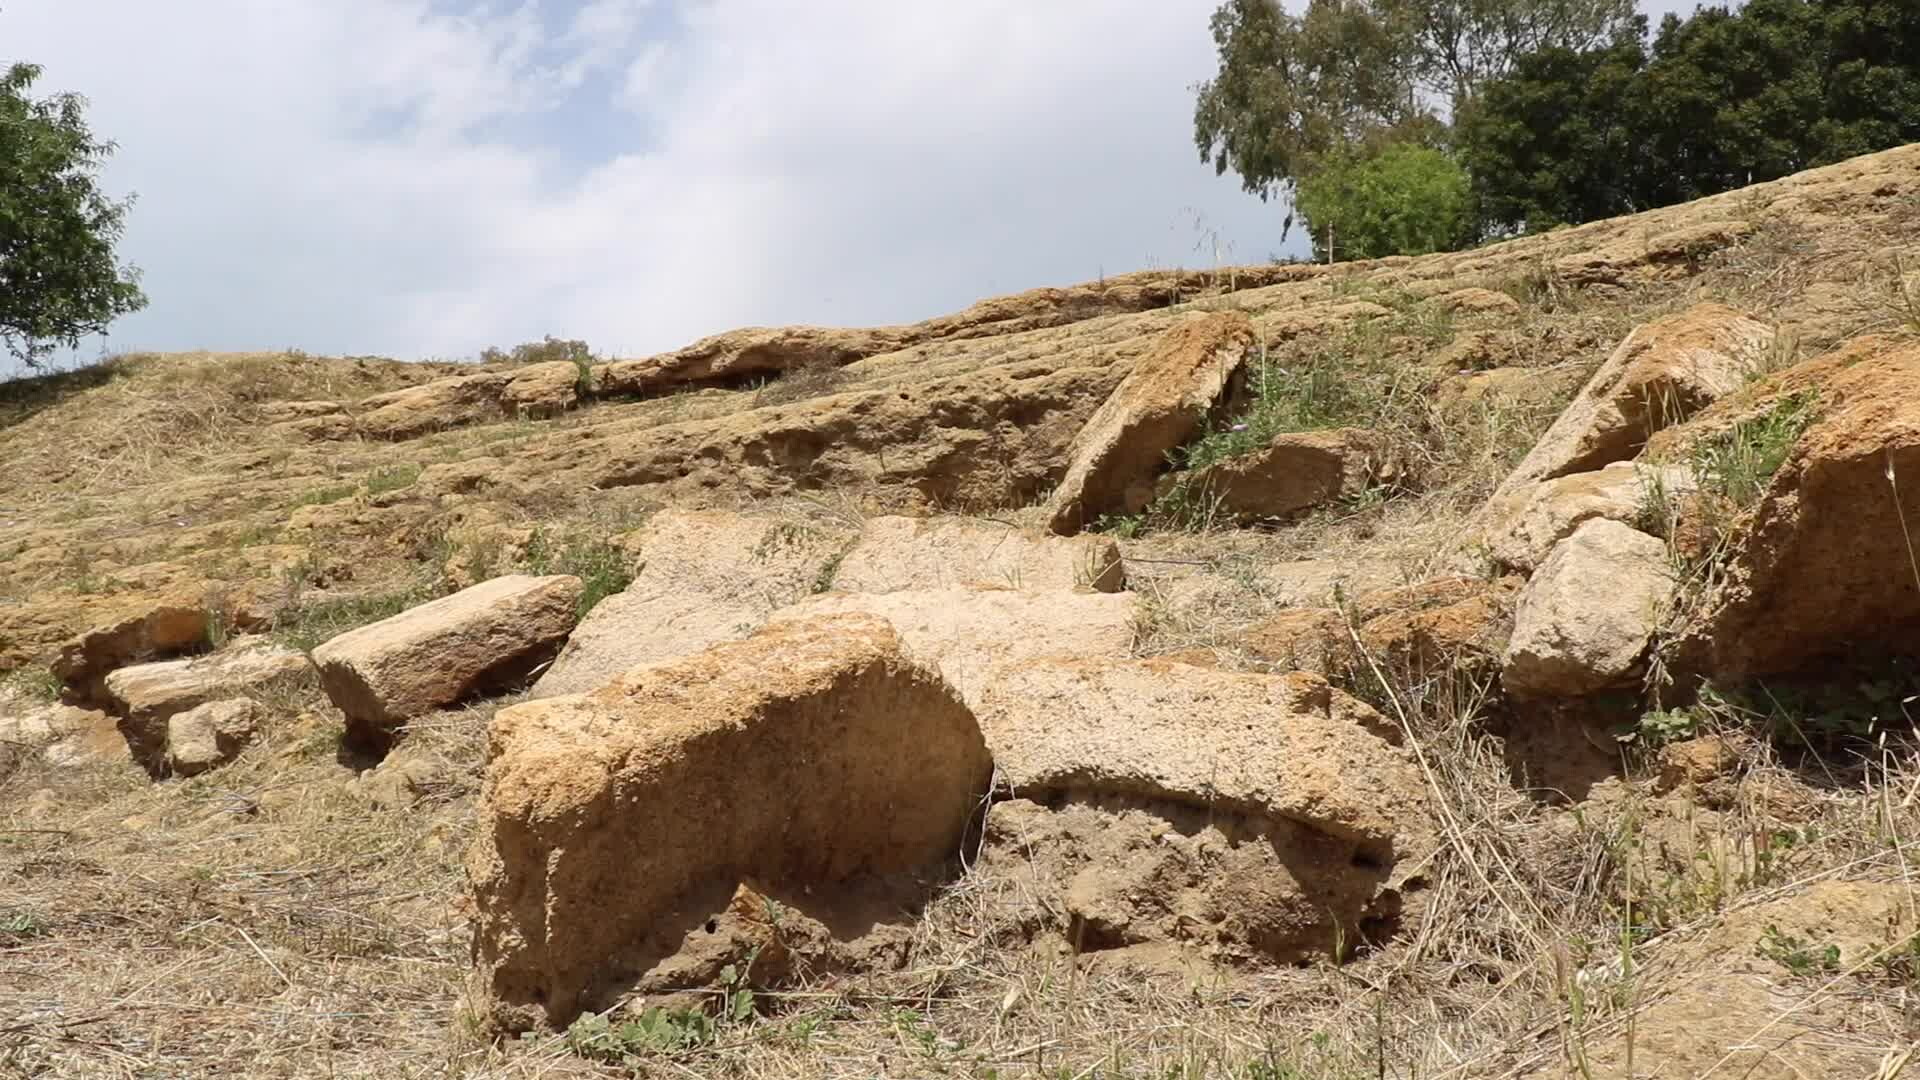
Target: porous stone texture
x,y
143,631
1248,816
210,735
1825,565
1662,373
483,638
965,631
1527,521
1585,618
702,577
900,553
146,695
1112,462
1296,471
814,762
1640,258
1478,301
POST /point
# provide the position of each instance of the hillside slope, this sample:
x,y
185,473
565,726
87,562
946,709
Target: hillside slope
x,y
1483,664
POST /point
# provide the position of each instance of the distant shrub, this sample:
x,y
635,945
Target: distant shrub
x,y
1404,200
546,350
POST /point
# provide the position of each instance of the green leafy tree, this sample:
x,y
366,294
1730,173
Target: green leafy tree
x,y
1552,142
1716,101
1460,44
59,281
1294,88
1402,200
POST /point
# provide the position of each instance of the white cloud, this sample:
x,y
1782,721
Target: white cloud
x,y
397,176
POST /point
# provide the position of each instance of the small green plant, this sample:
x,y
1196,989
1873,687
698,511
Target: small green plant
x,y
1123,526
1188,504
1321,391
913,1027
1663,726
601,565
19,926
331,493
823,581
1738,462
1799,957
392,478
654,1031
37,683
307,625
781,536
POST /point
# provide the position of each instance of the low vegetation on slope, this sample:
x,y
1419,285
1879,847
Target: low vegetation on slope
x,y
1488,664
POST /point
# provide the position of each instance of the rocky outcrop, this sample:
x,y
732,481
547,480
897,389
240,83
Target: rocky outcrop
x,y
1585,618
1825,564
542,390
1527,521
704,576
538,391
146,695
1112,462
1478,301
1275,803
1441,628
900,553
210,735
1662,373
1297,471
143,632
991,438
772,351
1444,626
1310,639
810,761
484,638
965,631
1630,259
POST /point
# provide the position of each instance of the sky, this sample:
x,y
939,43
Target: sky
x,y
425,178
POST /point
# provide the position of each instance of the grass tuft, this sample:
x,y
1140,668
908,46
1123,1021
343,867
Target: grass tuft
x,y
1738,463
604,568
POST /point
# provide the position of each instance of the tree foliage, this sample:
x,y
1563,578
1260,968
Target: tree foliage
x,y
1552,144
1292,89
1716,101
59,281
1459,44
1402,200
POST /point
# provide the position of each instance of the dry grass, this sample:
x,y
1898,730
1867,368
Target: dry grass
x,y
268,920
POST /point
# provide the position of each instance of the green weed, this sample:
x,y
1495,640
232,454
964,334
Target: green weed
x,y
1800,958
1738,462
332,493
1316,393
19,926
602,566
654,1031
37,683
305,626
392,478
